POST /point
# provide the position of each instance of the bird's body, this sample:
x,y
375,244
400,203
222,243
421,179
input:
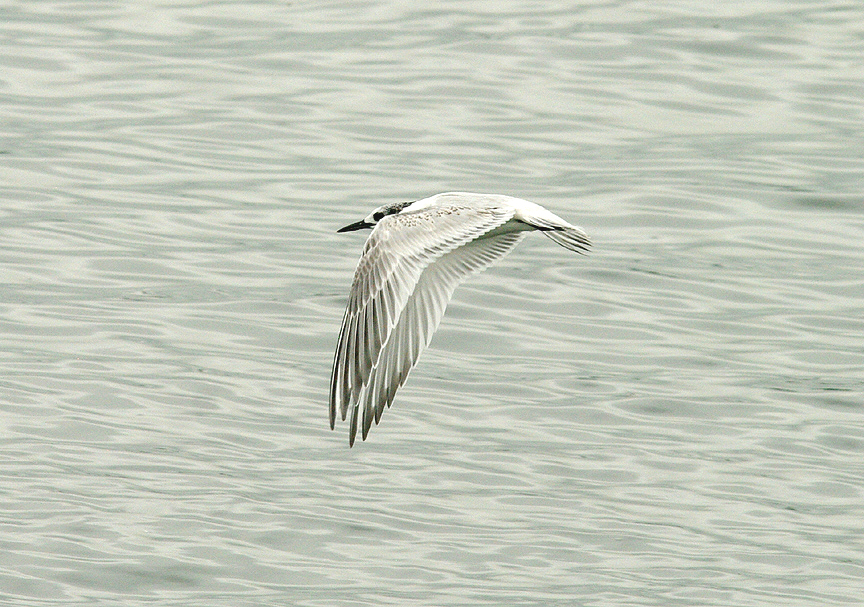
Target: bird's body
x,y
415,257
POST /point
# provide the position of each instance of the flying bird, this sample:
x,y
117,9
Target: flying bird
x,y
415,257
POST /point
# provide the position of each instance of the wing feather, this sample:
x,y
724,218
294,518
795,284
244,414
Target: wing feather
x,y
420,318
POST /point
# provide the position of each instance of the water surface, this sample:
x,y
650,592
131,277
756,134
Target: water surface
x,y
674,420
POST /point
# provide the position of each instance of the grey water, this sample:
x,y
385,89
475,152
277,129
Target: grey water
x,y
676,419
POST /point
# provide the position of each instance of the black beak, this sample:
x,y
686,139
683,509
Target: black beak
x,y
356,226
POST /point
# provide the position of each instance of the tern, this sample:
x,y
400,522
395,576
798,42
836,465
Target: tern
x,y
415,257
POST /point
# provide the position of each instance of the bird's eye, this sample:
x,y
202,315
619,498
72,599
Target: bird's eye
x,y
378,216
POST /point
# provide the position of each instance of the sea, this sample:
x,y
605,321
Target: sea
x,y
676,419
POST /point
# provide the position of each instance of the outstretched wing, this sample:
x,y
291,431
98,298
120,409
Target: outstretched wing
x,y
419,319
395,256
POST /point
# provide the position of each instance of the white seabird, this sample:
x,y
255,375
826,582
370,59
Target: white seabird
x,y
417,254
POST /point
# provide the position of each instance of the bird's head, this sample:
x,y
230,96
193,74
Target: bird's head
x,y
372,219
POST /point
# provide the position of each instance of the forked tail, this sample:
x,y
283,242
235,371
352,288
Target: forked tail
x,y
572,238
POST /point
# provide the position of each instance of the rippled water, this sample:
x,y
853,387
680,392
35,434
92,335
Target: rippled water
x,y
675,420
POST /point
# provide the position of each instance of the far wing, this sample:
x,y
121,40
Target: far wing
x,y
419,320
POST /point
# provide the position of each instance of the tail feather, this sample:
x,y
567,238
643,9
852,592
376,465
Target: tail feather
x,y
568,236
572,238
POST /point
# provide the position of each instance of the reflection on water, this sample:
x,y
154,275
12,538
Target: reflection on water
x,y
674,420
